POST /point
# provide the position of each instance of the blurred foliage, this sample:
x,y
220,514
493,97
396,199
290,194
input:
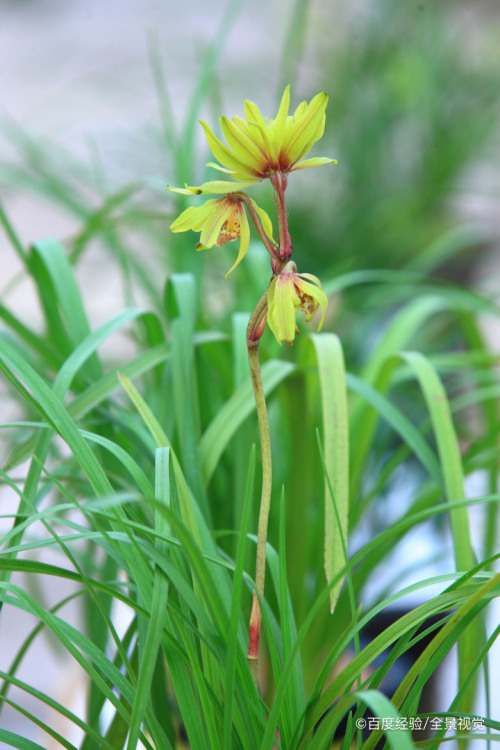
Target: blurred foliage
x,y
412,109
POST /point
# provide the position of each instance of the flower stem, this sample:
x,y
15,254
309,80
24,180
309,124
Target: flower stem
x,y
279,183
276,261
254,332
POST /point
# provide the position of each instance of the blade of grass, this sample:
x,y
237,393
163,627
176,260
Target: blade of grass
x,y
62,383
59,707
94,395
162,441
293,44
378,373
295,697
451,463
48,730
29,337
234,617
60,295
87,348
401,424
166,111
476,597
331,372
97,665
181,309
449,454
207,74
190,514
97,221
148,652
381,707
135,471
490,416
344,680
50,407
15,740
243,438
477,666
12,235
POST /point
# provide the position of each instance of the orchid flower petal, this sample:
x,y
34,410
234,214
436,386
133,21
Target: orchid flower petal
x,y
316,161
288,293
266,221
281,312
244,240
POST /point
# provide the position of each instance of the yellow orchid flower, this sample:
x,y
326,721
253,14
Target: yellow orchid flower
x,y
289,292
258,147
220,220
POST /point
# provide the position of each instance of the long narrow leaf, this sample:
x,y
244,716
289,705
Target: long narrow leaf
x,y
336,453
451,464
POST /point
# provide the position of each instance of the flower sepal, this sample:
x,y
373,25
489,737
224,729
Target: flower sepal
x,y
221,220
212,187
289,292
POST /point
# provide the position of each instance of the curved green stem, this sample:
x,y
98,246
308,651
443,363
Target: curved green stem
x,y
254,332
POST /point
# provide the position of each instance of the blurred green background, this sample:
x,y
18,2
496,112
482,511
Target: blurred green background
x,y
110,93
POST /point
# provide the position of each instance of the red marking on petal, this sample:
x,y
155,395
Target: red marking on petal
x,y
230,230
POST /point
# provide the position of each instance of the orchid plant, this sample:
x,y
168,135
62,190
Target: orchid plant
x,y
101,494
260,149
